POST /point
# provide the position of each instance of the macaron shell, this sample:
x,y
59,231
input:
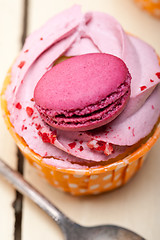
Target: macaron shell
x,y
80,81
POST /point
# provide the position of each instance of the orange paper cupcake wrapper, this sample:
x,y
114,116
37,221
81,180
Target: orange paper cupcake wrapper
x,y
82,181
152,6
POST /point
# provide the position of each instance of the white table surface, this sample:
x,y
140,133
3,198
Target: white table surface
x,y
136,205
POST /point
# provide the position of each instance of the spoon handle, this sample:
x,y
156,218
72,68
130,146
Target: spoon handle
x,y
26,189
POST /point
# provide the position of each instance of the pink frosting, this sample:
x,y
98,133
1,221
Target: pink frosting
x,y
73,33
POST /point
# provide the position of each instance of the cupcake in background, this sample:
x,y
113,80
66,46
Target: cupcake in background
x,y
151,6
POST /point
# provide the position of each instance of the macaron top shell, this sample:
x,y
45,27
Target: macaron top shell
x,y
83,85
80,81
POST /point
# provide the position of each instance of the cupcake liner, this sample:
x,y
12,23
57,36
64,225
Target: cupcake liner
x,y
152,6
82,181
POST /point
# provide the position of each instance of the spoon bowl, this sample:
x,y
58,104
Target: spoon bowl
x,y
70,229
102,232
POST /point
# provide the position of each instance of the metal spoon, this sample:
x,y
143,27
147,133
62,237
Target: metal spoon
x,y
71,230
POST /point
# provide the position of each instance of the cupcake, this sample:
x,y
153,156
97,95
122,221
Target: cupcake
x,y
82,102
151,6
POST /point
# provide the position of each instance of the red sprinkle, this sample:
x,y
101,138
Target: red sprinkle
x,y
45,138
21,64
41,38
38,126
48,138
27,50
97,145
81,148
14,89
80,142
72,145
109,149
133,132
45,155
129,128
29,111
18,106
152,107
40,133
23,127
32,99
34,117
158,74
101,146
53,138
151,80
106,133
143,88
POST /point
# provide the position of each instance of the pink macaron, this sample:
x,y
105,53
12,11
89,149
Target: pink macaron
x,y
83,92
